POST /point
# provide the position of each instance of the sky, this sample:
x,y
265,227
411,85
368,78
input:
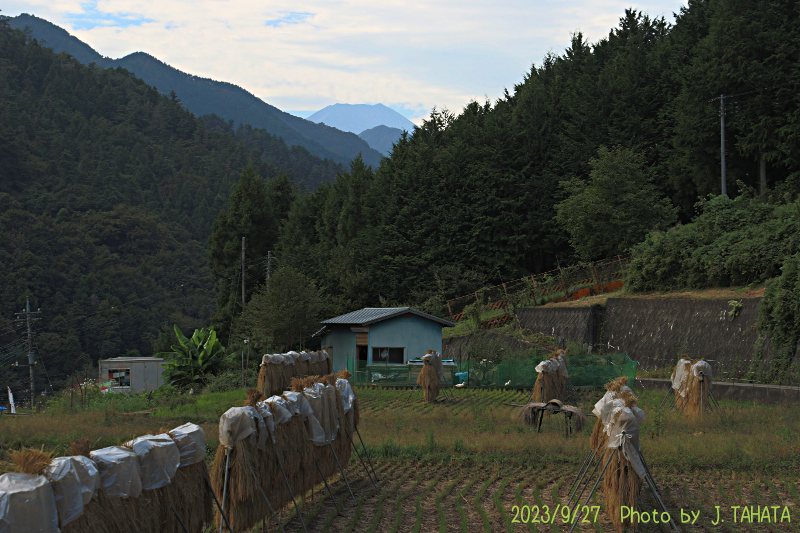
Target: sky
x,y
301,56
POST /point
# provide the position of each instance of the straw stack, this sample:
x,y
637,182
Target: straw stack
x,y
697,395
621,482
428,378
288,439
613,388
551,383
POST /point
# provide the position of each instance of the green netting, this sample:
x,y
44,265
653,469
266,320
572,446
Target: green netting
x,y
585,372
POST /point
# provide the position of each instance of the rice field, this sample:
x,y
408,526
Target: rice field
x,y
467,465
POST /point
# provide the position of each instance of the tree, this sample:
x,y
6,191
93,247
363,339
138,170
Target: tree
x,y
285,312
616,208
192,362
249,215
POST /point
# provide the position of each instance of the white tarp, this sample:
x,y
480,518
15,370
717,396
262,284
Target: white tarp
x,y
265,411
27,504
299,402
73,485
280,409
159,459
680,377
191,442
702,366
235,424
347,394
554,364
629,421
120,473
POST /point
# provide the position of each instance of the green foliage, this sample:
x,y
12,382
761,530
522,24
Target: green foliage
x,y
616,208
285,312
108,192
193,362
731,242
779,318
735,307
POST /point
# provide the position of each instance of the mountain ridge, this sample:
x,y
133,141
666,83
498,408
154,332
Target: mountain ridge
x,y
203,96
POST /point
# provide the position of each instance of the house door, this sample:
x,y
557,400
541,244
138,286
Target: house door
x,y
362,353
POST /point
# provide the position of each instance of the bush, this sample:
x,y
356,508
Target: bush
x,y
731,242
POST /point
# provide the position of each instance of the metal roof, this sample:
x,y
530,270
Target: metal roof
x,y
370,315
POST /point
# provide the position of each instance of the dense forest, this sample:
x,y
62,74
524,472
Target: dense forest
x,y
120,212
618,138
108,192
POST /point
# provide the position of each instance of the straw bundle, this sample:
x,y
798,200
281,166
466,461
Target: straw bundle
x,y
81,447
621,483
599,435
30,461
531,413
428,378
244,505
192,500
551,384
96,517
253,397
696,391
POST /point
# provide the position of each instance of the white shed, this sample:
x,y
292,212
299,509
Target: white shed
x,y
132,374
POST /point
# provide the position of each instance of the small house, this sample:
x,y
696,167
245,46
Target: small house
x,y
132,374
382,335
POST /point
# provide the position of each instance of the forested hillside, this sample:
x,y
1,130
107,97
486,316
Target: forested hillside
x,y
108,191
473,196
204,96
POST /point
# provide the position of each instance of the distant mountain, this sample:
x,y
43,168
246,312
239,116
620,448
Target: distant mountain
x,y
204,96
381,138
360,117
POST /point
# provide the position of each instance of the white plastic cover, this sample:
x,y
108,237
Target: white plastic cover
x,y
324,355
555,364
235,424
680,377
313,357
280,413
304,356
288,359
27,504
159,459
120,474
314,431
191,442
300,402
702,366
74,481
265,411
331,425
629,421
437,364
347,394
289,404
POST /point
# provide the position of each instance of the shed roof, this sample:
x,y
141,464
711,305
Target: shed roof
x,y
370,315
132,360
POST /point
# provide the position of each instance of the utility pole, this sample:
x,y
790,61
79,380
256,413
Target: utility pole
x,y
243,275
31,358
721,99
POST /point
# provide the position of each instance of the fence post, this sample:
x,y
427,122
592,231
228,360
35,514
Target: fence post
x,y
448,308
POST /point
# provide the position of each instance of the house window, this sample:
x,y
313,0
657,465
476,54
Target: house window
x,y
390,355
120,377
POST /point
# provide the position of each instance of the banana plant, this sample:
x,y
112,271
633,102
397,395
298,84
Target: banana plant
x,y
192,362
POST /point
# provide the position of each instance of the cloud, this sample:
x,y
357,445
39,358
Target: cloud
x,y
407,54
91,17
289,17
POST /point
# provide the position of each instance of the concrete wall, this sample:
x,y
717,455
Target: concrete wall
x,y
653,331
416,334
578,324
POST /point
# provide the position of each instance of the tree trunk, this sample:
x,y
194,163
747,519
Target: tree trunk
x,y
762,188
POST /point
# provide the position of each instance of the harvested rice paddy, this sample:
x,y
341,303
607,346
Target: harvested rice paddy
x,y
462,464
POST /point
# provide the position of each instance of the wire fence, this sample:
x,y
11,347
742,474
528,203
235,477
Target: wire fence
x,y
567,283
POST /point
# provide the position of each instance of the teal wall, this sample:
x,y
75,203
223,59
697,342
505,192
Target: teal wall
x,y
344,346
416,334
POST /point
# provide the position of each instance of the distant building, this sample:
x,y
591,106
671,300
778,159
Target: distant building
x,y
132,374
372,335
